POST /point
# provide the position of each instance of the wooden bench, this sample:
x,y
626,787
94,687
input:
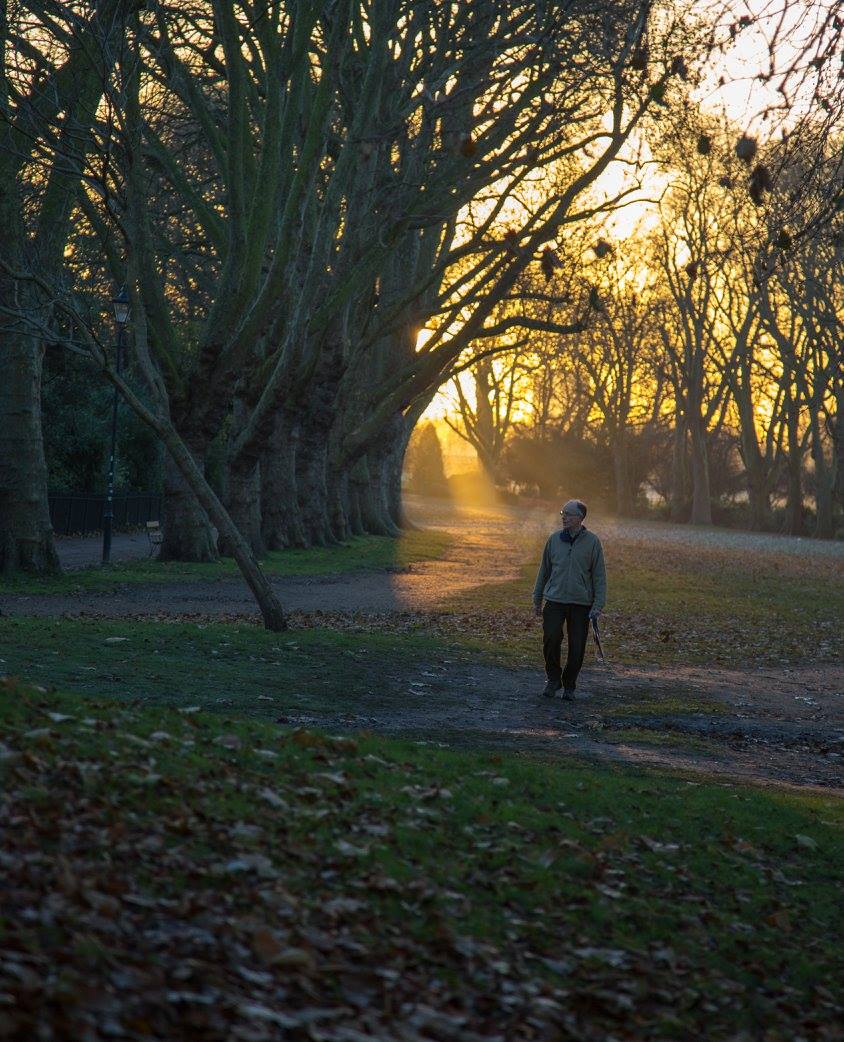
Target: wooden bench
x,y
155,536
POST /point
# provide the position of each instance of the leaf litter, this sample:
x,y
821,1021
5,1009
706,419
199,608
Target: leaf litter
x,y
152,896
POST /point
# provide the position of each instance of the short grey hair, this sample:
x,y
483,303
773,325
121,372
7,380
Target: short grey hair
x,y
574,505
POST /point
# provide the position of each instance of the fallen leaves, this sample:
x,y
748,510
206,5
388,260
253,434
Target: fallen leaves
x,y
9,756
347,849
273,798
260,864
329,894
229,741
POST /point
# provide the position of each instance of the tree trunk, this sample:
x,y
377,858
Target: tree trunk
x,y
372,502
392,488
837,432
486,440
383,490
794,475
281,525
824,521
621,471
312,487
243,502
338,504
758,497
183,458
357,478
678,496
187,531
319,419
242,487
701,498
26,535
398,439
756,476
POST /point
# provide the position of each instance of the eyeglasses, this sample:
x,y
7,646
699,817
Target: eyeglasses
x,y
564,514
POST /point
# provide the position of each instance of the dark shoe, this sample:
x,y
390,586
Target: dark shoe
x,y
551,688
568,694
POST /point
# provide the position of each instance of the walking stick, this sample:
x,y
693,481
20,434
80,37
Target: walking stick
x,y
597,637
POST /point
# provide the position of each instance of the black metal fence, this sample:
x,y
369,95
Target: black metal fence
x,y
83,515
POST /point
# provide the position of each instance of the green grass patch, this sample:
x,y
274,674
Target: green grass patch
x,y
238,668
661,739
669,706
677,606
226,867
360,554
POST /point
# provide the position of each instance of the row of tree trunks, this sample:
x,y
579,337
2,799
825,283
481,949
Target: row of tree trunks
x,y
281,524
297,494
293,497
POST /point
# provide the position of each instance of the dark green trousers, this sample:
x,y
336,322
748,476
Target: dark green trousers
x,y
575,618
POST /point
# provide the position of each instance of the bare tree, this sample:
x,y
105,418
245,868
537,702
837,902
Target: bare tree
x,y
50,88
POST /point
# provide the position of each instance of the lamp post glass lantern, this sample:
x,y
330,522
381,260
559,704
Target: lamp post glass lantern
x,y
120,303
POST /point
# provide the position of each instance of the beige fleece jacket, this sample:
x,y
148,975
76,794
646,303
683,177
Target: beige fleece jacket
x,y
572,572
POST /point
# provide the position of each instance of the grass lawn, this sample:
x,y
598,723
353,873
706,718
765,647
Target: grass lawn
x,y
240,668
678,605
360,554
170,874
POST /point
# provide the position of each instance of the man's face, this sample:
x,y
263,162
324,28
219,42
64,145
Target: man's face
x,y
571,522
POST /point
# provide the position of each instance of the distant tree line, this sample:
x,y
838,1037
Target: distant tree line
x,y
711,373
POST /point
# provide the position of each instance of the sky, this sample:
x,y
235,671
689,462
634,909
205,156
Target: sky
x,y
742,97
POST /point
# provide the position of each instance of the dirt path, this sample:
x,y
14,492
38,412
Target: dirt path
x,y
489,547
784,725
77,552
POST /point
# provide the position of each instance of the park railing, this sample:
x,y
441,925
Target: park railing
x,y
83,515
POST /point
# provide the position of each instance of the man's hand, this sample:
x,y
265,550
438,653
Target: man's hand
x,y
594,613
537,609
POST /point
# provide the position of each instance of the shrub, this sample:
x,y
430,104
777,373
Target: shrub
x,y
423,465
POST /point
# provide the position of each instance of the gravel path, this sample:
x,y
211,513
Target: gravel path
x,y
84,552
785,727
489,547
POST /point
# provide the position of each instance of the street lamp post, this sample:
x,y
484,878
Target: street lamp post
x,y
120,303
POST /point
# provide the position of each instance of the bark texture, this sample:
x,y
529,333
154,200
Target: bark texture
x,y
187,530
26,535
281,525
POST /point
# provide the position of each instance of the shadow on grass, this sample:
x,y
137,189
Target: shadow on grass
x,y
237,668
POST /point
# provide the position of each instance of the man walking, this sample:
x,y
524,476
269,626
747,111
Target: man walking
x,y
573,580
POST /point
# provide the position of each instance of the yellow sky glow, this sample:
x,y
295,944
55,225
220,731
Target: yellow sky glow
x,y
742,97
